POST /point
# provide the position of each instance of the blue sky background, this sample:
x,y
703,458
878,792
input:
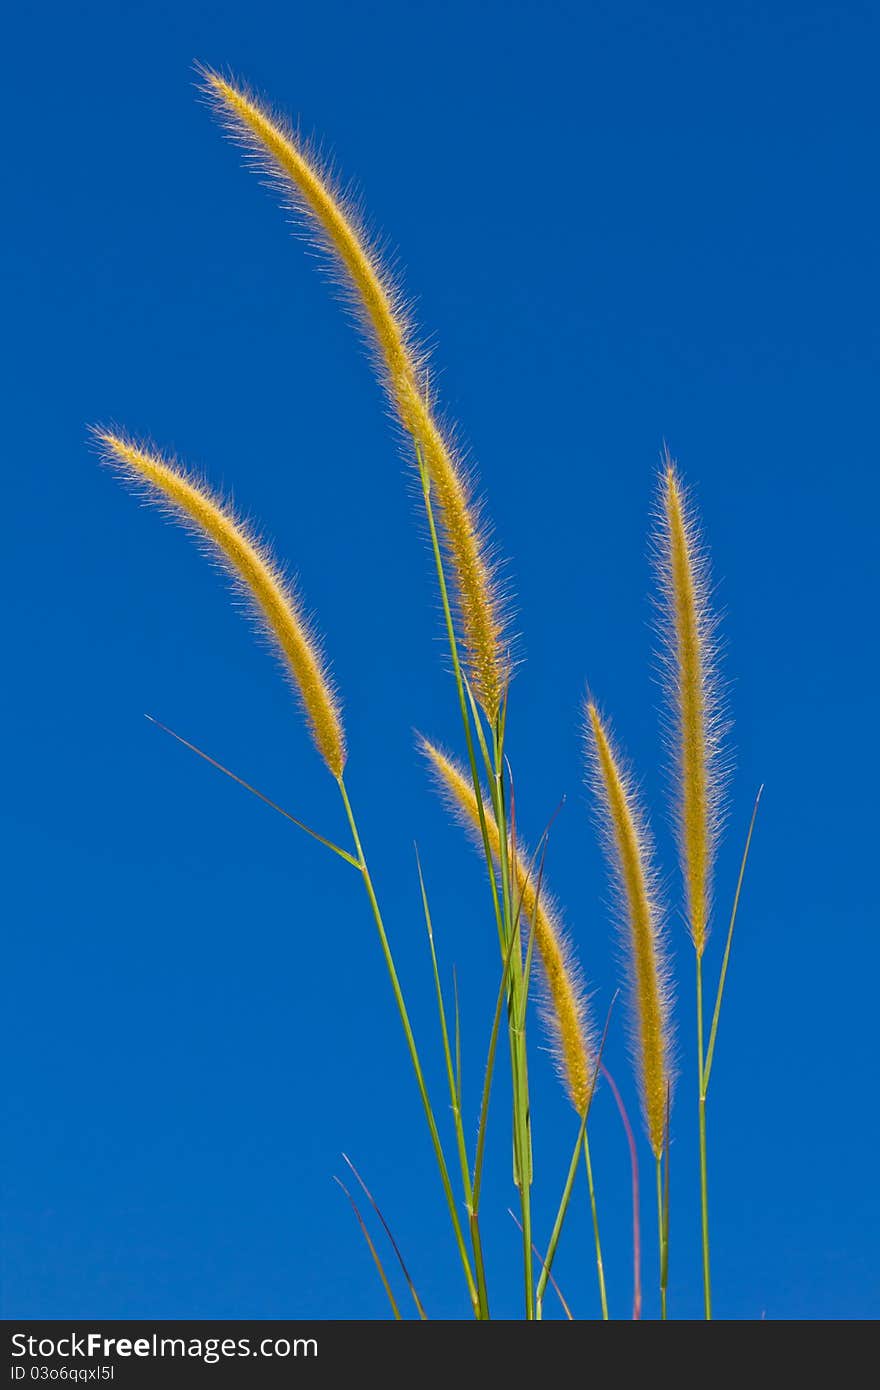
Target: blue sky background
x,y
622,223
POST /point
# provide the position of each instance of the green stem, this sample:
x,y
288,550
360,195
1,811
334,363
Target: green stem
x,y
522,1139
502,907
661,1235
414,1055
713,1031
600,1266
704,1181
487,1087
572,1170
453,1075
560,1216
460,687
254,791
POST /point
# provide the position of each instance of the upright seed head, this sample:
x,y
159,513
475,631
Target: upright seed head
x,y
565,1012
252,567
696,725
630,853
295,171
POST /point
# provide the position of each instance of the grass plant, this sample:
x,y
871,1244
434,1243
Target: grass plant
x,y
478,784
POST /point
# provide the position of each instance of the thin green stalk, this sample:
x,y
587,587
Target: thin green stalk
x,y
572,1171
487,1083
530,949
478,726
661,1237
459,683
705,1060
710,1052
473,1211
664,1269
522,1136
560,1217
447,1049
254,791
413,1052
453,1074
600,1266
457,1039
499,807
522,1147
704,1180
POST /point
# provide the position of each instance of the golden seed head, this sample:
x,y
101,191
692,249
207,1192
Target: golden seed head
x,y
252,567
565,1008
630,853
296,171
696,726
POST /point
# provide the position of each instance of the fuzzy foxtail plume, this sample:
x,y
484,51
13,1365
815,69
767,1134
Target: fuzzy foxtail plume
x,y
697,728
630,853
295,171
566,1012
252,567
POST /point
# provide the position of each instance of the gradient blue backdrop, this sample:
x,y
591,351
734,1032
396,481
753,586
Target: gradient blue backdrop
x,y
623,223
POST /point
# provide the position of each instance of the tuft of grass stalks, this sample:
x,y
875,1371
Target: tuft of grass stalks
x,y
295,170
630,853
257,575
476,627
566,1012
